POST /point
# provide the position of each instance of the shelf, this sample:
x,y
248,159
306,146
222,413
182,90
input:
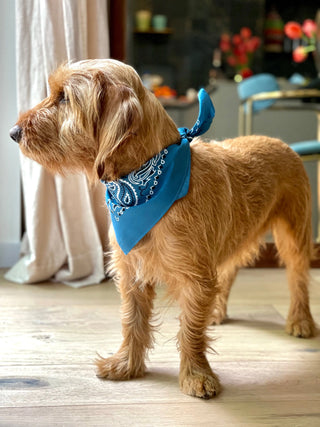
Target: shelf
x,y
152,31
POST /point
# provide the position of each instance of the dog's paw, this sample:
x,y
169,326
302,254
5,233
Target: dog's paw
x,y
200,384
117,368
304,328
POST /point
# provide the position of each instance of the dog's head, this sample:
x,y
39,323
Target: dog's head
x,y
98,118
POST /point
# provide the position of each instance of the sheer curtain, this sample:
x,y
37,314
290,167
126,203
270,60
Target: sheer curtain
x,y
66,219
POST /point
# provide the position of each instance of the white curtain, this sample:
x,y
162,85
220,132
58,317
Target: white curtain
x,y
66,220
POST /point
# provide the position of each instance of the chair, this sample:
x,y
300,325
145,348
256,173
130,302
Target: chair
x,y
260,92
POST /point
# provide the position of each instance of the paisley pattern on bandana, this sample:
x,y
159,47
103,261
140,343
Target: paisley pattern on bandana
x,y
137,187
139,200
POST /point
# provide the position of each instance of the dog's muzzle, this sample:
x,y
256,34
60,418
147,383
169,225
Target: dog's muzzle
x,y
16,133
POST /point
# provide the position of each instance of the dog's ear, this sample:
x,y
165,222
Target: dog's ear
x,y
121,117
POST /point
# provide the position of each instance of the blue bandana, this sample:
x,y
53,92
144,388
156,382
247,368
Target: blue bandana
x,y
139,200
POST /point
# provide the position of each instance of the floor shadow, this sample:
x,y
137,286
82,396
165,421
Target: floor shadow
x,y
256,324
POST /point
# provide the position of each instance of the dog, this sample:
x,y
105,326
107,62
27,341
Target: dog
x,y
100,119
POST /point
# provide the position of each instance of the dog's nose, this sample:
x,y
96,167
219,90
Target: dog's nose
x,y
16,133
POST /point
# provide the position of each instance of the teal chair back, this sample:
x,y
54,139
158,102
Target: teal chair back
x,y
259,83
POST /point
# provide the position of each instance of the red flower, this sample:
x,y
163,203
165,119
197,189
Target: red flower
x,y
236,39
252,44
240,49
232,60
309,27
225,45
242,59
246,72
245,33
225,42
307,32
299,54
293,30
256,41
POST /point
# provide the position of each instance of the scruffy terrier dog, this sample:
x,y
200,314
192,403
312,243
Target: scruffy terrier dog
x,y
100,119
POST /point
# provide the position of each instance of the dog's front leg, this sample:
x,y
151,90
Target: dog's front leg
x,y
129,361
196,377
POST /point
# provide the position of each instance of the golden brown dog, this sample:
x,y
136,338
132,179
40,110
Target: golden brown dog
x,y
100,119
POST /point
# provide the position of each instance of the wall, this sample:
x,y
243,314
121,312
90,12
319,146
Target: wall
x,y
184,57
10,208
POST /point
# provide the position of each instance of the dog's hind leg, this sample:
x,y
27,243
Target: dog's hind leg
x,y
226,276
129,361
292,233
196,300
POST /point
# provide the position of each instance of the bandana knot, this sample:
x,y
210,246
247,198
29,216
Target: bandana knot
x,y
139,200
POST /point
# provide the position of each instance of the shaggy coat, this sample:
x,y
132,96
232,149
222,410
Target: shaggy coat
x,y
100,119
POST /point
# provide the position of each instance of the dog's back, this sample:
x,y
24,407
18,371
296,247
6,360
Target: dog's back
x,y
241,187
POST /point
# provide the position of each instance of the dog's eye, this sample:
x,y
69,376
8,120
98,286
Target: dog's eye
x,y
63,98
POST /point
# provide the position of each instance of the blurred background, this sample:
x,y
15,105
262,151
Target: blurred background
x,y
177,47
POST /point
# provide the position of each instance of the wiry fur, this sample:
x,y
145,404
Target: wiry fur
x,y
99,118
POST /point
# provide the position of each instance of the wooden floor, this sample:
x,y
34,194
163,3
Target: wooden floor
x,y
50,335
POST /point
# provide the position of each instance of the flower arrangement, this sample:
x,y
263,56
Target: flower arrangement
x,y
239,50
305,32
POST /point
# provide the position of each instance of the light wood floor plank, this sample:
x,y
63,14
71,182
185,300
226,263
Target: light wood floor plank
x,y
199,413
49,336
